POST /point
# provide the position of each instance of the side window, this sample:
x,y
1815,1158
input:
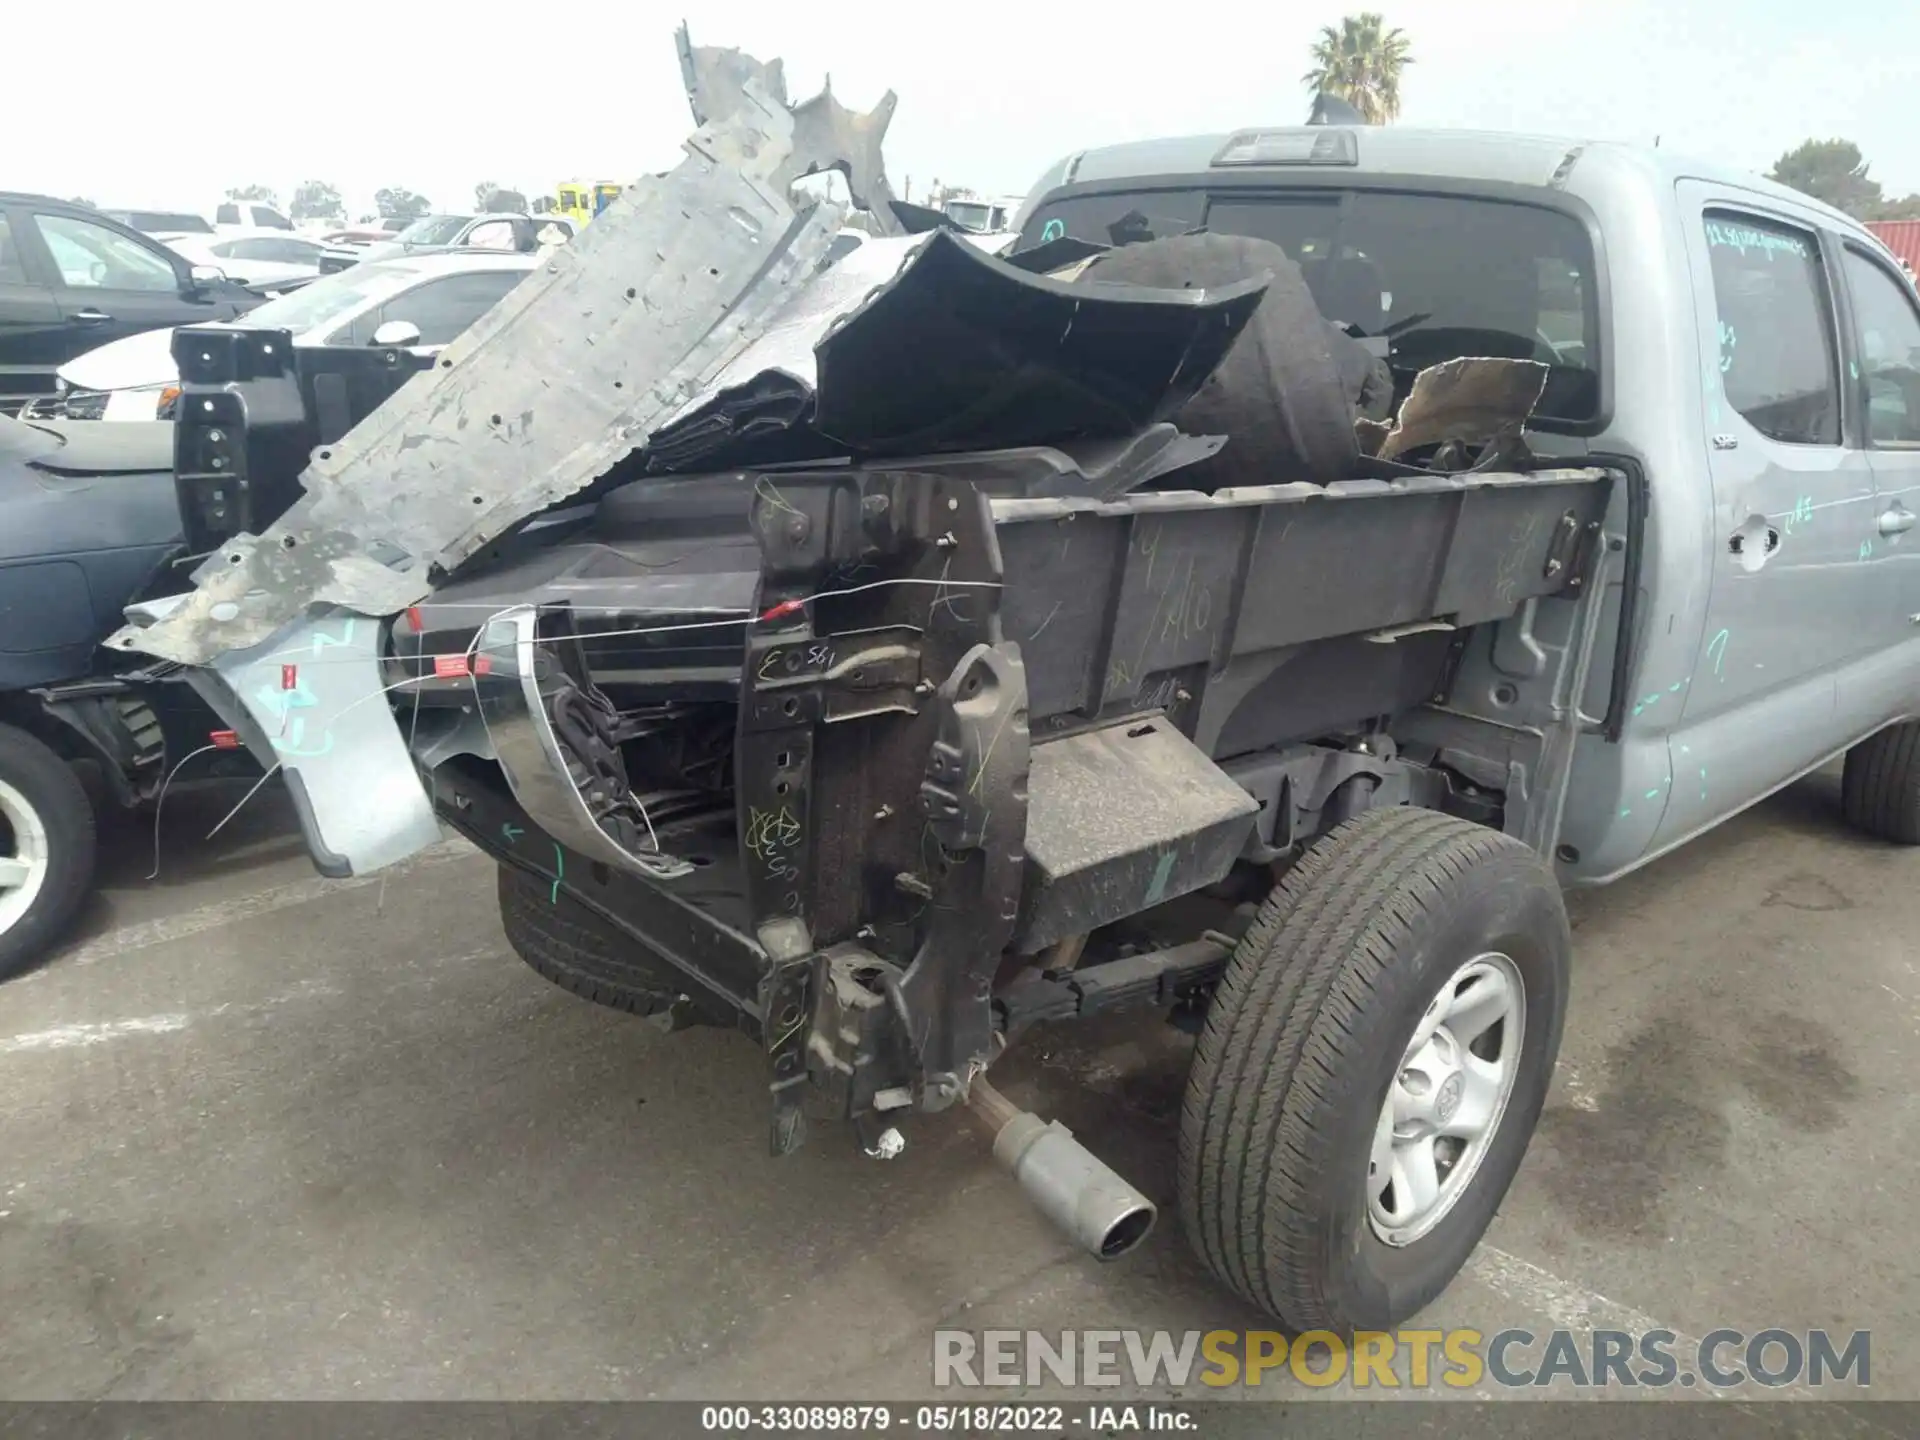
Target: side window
x,y
491,235
442,309
1777,364
13,269
92,257
268,218
1887,335
271,248
228,214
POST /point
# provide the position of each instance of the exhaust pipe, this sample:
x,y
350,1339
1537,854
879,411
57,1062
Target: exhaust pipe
x,y
1072,1187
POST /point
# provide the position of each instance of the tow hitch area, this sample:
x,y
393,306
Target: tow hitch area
x,y
888,655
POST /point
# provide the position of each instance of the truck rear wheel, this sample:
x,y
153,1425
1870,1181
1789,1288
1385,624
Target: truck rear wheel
x,y
1372,1068
47,848
574,948
1880,785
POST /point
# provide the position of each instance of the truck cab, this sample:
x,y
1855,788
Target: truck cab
x,y
1749,351
581,200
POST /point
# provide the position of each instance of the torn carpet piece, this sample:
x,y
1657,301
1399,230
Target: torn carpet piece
x,y
1474,400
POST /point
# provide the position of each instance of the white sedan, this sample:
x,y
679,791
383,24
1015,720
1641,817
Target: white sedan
x,y
419,303
258,259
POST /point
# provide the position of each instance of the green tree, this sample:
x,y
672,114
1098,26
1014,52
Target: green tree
x,y
317,200
1830,170
399,203
1360,62
1907,207
263,193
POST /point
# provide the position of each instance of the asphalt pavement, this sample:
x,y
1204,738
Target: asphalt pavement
x,y
269,1136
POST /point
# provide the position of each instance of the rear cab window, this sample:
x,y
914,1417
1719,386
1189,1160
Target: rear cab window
x,y
1424,277
13,265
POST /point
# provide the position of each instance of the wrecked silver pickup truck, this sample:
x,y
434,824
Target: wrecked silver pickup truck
x,y
888,657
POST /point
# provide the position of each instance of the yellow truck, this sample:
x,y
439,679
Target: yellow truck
x,y
581,200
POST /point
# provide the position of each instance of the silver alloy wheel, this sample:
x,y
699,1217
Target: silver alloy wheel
x,y
1447,1099
23,863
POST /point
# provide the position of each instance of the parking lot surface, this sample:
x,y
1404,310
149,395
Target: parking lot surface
x,y
268,1136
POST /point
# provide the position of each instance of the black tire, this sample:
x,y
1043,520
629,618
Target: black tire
x,y
1880,785
44,783
1305,1034
574,948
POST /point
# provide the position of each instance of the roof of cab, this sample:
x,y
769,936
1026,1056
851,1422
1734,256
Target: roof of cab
x,y
1493,157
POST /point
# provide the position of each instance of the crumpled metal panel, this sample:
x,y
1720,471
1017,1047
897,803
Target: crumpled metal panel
x,y
312,704
561,380
962,351
826,134
532,759
926,343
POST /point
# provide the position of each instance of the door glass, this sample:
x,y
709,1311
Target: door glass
x,y
92,257
1888,339
13,270
442,309
1777,363
491,235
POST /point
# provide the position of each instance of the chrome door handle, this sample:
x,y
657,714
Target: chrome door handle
x,y
90,316
1896,522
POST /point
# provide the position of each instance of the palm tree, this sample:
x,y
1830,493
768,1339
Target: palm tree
x,y
1361,63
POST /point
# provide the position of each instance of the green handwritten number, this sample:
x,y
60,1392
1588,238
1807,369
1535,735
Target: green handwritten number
x,y
1717,652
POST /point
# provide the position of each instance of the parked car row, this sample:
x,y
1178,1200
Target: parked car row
x,y
520,234
72,279
419,303
262,259
228,215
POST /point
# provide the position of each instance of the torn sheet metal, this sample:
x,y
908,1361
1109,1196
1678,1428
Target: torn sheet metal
x,y
314,701
680,274
1474,400
926,343
826,134
537,768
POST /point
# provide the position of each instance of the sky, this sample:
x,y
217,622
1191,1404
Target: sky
x,y
405,92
